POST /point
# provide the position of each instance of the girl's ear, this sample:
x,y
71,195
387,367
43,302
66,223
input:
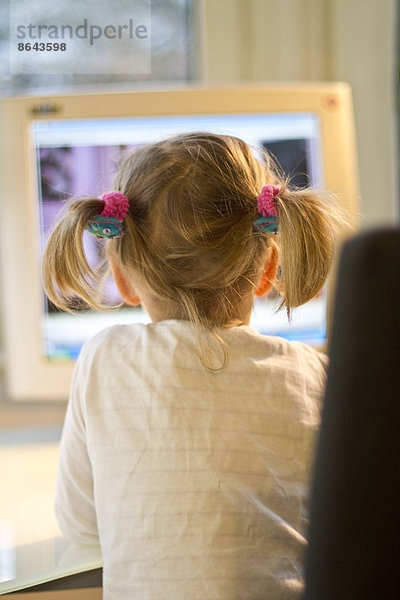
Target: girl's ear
x,y
270,271
124,286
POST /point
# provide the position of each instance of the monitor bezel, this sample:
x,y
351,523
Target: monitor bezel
x,y
29,375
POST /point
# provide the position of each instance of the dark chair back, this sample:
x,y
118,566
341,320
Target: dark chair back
x,y
354,536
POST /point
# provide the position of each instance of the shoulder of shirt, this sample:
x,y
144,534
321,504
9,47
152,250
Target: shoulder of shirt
x,y
133,334
280,347
108,337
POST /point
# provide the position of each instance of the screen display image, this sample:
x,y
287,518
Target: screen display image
x,y
79,158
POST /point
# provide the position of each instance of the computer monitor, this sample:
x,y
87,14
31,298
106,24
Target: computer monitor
x,y
55,147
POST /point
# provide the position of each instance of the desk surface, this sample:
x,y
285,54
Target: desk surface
x,y
34,564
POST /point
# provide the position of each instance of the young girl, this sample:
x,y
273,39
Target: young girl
x,y
187,442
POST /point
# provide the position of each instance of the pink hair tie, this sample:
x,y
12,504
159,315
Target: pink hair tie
x,y
109,223
268,217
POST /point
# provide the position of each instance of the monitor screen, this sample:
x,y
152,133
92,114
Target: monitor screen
x,y
71,146
79,157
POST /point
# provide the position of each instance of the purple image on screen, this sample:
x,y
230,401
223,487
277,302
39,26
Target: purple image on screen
x,y
79,171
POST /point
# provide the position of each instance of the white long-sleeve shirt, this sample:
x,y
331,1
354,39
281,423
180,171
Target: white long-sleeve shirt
x,y
194,482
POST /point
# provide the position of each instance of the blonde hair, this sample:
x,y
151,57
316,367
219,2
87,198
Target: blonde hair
x,y
190,231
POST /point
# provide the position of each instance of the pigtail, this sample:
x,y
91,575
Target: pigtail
x,y
67,276
309,224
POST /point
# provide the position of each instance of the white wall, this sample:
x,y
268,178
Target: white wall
x,y
342,40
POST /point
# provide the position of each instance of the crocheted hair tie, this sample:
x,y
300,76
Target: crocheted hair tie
x,y
109,223
268,218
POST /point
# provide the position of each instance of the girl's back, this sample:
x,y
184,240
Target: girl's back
x,y
199,479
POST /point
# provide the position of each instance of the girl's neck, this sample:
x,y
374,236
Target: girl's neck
x,y
159,310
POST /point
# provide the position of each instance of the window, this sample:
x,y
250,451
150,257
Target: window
x,y
172,45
